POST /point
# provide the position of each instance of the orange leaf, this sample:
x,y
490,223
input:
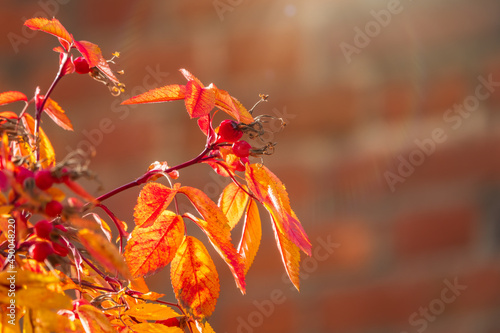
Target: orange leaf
x,y
53,27
194,278
199,100
56,113
232,202
47,154
154,328
103,252
90,51
231,106
152,248
216,227
290,255
190,77
153,200
151,311
164,94
12,96
252,233
93,319
271,192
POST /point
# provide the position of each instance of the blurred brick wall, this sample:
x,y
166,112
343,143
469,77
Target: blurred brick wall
x,y
391,154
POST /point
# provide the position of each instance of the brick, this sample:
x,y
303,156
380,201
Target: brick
x,y
430,232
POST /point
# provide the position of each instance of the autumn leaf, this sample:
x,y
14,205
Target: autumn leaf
x,y
57,114
52,300
163,94
290,255
199,100
103,252
47,154
12,96
251,235
194,278
271,192
153,200
90,51
232,202
232,106
152,248
190,77
53,27
151,311
154,328
93,320
216,227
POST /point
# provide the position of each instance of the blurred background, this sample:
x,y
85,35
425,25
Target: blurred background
x,y
391,154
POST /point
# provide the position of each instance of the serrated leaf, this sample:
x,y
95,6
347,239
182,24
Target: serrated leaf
x,y
194,278
215,226
154,328
12,96
151,311
103,252
199,100
152,248
251,235
90,51
152,201
163,94
232,106
47,154
232,202
271,192
290,255
53,27
57,114
93,320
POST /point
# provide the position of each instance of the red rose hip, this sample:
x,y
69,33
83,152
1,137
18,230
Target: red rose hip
x,y
229,132
43,229
53,208
241,148
40,251
44,179
81,65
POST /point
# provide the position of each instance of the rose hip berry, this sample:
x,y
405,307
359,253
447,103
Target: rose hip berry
x,y
40,251
43,229
53,208
81,65
229,132
23,174
44,179
241,148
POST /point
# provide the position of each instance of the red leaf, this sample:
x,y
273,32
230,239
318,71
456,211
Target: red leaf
x,y
153,200
190,77
195,279
57,114
232,202
90,51
53,27
215,226
271,192
199,101
12,96
164,94
251,236
152,248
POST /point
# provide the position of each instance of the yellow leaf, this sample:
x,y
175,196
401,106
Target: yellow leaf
x,y
252,233
47,154
93,320
151,311
9,321
154,328
29,279
104,252
51,300
232,202
194,278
